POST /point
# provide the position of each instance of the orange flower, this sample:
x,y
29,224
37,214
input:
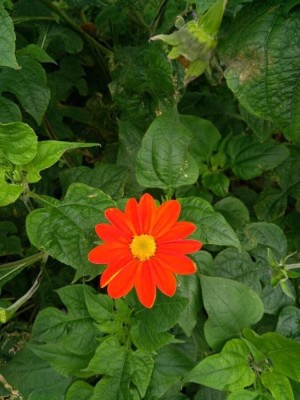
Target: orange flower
x,y
144,247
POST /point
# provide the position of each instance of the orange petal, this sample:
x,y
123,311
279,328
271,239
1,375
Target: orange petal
x,y
123,282
182,246
109,233
113,268
147,211
166,217
120,220
132,213
180,230
144,285
164,279
178,263
107,252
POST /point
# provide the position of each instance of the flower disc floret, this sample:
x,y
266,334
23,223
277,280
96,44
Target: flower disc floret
x,y
144,248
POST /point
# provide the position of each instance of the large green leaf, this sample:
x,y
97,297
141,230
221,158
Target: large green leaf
x,y
231,306
66,340
9,111
261,62
164,160
7,40
284,353
110,178
249,158
289,323
228,370
278,385
29,85
212,228
66,229
118,366
34,378
79,390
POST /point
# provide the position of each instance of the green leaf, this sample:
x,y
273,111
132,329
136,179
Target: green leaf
x,y
9,111
9,192
48,153
251,72
66,229
34,378
265,235
141,366
278,385
250,158
228,370
164,160
80,390
231,306
234,211
66,340
205,137
261,127
289,323
170,365
9,243
284,353
100,306
189,287
211,226
149,332
246,395
217,182
238,266
18,143
29,85
7,40
110,178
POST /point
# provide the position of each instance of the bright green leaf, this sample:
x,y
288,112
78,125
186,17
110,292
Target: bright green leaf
x,y
48,153
231,306
278,385
9,192
164,160
284,353
79,390
18,143
66,229
246,395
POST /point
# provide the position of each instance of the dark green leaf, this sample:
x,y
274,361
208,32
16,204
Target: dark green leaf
x,y
289,323
231,306
7,40
79,390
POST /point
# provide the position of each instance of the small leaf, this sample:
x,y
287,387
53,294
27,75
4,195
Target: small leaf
x,y
9,192
234,211
231,306
217,182
289,323
164,160
79,390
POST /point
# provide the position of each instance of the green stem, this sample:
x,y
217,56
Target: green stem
x,y
292,266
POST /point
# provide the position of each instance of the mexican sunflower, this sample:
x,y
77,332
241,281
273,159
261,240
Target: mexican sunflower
x,y
144,247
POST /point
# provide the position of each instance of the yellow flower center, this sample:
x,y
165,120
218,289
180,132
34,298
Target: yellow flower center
x,y
143,247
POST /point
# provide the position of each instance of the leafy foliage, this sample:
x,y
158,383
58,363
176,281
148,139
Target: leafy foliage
x,y
194,100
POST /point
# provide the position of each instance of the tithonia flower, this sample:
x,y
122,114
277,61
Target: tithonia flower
x,y
144,247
